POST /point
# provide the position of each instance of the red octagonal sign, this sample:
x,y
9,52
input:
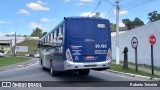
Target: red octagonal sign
x,y
152,39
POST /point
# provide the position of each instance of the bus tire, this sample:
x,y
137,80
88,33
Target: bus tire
x,y
52,72
42,65
84,71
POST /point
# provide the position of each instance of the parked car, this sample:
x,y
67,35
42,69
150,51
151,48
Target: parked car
x,y
1,54
33,54
36,55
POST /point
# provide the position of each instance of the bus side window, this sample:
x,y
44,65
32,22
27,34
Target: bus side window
x,y
57,33
60,36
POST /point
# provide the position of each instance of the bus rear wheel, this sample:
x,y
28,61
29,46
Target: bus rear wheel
x,y
52,72
84,71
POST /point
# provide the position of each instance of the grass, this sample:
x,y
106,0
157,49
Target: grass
x,y
32,46
145,66
4,61
130,70
141,65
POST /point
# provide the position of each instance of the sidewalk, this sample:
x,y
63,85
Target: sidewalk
x,y
19,65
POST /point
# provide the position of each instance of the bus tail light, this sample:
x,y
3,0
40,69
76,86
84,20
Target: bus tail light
x,y
69,55
108,55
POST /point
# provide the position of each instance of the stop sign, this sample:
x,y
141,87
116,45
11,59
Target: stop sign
x,y
152,39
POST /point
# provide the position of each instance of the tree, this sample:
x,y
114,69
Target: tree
x,y
153,16
137,22
37,32
44,33
97,15
127,23
112,25
131,24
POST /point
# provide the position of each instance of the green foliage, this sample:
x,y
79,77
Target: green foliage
x,y
44,33
137,22
112,25
127,23
153,16
32,45
37,32
131,70
132,24
97,15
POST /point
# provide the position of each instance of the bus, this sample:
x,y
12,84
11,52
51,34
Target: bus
x,y
77,44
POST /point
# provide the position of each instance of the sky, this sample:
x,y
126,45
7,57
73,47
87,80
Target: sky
x,y
22,16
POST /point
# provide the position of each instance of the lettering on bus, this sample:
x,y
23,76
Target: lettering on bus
x,y
100,45
100,51
75,47
76,52
89,40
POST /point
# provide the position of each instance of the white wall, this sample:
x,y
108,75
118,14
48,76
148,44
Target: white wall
x,y
144,49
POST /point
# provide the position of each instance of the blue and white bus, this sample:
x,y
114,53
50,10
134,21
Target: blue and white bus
x,y
77,44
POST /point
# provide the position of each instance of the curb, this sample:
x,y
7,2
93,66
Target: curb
x,y
135,75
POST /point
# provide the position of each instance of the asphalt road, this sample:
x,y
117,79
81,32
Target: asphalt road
x,y
35,73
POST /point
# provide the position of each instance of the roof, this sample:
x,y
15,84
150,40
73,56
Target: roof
x,y
83,18
5,42
71,18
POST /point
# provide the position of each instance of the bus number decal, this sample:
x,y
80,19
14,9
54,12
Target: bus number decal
x,y
100,45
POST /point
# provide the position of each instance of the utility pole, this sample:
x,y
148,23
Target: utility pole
x,y
117,31
15,45
15,40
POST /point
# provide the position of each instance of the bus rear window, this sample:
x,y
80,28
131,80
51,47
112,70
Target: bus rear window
x,y
89,29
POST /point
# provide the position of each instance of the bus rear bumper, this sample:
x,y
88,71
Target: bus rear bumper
x,y
68,65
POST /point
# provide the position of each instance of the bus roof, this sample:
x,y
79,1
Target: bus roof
x,y
65,18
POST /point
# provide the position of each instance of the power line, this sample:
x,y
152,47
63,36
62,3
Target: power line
x,y
110,10
134,4
109,3
99,3
143,10
111,17
138,4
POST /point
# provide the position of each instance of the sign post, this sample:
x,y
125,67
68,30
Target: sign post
x,y
134,43
152,41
